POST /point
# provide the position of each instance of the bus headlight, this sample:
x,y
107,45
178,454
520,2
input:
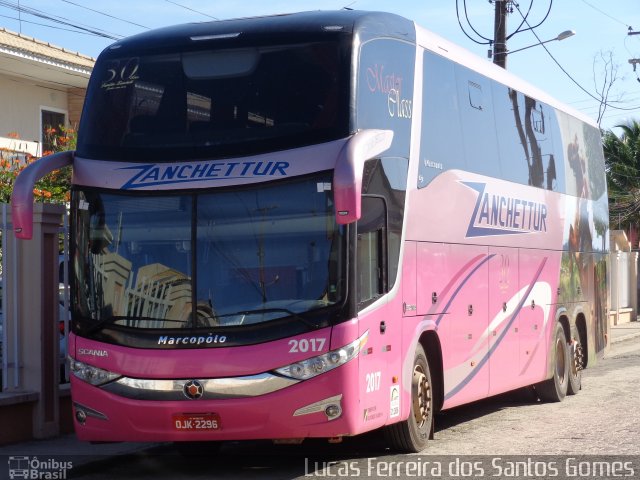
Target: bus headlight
x,y
93,375
314,366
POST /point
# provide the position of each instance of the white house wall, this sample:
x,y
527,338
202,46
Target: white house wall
x,y
22,101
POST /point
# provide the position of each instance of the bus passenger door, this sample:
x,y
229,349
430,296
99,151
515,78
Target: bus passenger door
x,y
380,358
504,325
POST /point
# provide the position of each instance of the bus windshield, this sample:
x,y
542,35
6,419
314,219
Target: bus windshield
x,y
200,260
214,103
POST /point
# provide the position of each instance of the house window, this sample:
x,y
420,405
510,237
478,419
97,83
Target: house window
x,y
50,119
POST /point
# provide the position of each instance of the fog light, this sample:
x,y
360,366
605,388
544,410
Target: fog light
x,y
333,411
81,417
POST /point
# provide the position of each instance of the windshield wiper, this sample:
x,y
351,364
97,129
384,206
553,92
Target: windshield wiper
x,y
271,310
113,319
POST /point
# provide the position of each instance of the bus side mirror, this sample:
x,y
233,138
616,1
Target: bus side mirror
x,y
22,196
347,176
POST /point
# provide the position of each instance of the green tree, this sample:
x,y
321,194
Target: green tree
x,y
622,160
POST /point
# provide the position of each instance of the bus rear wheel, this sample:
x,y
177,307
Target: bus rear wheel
x,y
555,388
412,434
575,367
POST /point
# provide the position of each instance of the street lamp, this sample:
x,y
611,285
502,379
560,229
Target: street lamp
x,y
561,36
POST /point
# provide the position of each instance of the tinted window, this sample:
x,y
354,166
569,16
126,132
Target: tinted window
x,y
212,103
477,122
440,147
529,140
385,90
387,178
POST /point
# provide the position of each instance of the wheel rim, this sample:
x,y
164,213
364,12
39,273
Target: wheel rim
x,y
574,360
561,367
421,396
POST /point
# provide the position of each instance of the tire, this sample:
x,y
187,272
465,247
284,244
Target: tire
x,y
575,368
412,435
555,388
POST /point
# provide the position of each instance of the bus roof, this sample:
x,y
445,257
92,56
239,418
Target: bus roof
x,y
276,27
364,24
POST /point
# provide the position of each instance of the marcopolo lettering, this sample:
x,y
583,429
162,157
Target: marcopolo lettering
x,y
496,214
195,340
159,174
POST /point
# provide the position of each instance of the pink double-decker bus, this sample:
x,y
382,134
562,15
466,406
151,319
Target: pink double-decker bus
x,y
320,224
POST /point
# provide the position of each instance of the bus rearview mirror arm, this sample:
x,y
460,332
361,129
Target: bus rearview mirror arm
x,y
347,176
22,196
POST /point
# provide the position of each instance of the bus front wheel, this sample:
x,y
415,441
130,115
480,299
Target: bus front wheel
x,y
412,434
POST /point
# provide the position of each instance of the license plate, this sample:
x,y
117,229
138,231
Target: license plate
x,y
196,422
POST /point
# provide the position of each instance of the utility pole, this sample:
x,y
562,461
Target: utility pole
x,y
500,33
634,61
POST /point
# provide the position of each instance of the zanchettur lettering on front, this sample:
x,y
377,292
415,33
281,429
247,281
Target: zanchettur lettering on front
x,y
160,174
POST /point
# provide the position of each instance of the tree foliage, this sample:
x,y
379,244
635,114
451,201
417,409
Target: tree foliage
x,y
622,160
54,187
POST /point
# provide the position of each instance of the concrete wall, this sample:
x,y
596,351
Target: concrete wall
x,y
623,280
31,398
22,100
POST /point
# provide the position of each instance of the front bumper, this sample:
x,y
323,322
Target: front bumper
x,y
296,411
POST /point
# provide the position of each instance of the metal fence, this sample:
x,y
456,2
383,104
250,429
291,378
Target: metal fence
x,y
7,320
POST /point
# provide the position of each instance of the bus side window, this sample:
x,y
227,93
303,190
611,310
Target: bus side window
x,y
371,250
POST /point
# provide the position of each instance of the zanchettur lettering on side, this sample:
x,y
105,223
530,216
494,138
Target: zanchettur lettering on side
x,y
161,174
497,214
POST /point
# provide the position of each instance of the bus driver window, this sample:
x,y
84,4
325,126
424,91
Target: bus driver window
x,y
371,248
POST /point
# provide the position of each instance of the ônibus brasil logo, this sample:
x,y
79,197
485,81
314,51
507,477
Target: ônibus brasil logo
x,y
497,214
37,468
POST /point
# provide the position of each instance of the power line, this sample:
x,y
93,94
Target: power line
x,y
522,23
524,19
191,9
607,15
61,20
104,14
488,42
600,100
47,26
466,16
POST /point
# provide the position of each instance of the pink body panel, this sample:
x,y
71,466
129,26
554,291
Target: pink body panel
x,y
264,416
489,297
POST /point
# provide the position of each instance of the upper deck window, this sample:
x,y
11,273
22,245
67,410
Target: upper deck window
x,y
215,103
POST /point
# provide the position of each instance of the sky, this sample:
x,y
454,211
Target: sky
x,y
601,28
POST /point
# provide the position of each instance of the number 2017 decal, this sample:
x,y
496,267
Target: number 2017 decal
x,y
304,345
373,381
